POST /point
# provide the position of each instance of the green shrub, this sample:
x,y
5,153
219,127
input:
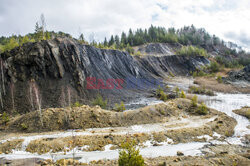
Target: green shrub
x,y
219,79
202,109
129,155
5,118
99,101
138,53
120,107
199,73
183,95
163,96
159,90
214,67
77,104
24,126
191,51
194,101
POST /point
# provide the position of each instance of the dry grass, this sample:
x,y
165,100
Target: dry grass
x,y
7,146
244,111
212,84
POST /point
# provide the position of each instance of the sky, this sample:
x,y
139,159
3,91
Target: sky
x,y
227,19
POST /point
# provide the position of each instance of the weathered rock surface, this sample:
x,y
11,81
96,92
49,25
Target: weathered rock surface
x,y
242,75
53,73
158,49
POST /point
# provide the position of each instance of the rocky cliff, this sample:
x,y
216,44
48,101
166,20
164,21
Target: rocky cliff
x,y
58,72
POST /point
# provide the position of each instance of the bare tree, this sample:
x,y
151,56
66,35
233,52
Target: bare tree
x,y
43,23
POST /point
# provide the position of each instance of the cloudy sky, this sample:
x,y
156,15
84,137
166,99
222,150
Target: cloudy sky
x,y
228,19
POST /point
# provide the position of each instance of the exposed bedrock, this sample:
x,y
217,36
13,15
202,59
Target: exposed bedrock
x,y
54,73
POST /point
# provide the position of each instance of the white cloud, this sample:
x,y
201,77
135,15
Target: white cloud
x,y
105,17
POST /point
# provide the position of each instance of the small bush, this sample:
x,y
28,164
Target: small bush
x,y
159,90
160,94
202,109
129,155
199,73
138,53
24,126
5,118
194,101
177,91
163,96
214,67
183,95
219,79
77,104
99,101
120,107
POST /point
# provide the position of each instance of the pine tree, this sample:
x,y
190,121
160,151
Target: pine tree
x,y
38,32
81,39
111,41
105,43
117,41
123,39
130,38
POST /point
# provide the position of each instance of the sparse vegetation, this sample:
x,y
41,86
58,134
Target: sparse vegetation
x,y
200,90
214,67
219,79
194,101
99,101
161,94
5,118
119,107
182,95
202,109
177,91
138,53
24,126
191,51
130,155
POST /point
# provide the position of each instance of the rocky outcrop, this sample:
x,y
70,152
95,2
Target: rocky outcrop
x,y
158,49
242,75
54,73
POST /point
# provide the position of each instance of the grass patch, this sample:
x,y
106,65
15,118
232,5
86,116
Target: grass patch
x,y
199,90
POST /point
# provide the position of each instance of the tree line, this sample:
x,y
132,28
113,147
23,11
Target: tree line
x,y
188,35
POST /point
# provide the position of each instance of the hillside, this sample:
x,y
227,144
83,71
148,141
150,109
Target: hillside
x,y
54,73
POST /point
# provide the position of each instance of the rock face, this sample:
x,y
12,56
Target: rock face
x,y
243,75
54,73
158,49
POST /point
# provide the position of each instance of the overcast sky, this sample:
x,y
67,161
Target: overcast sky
x,y
228,19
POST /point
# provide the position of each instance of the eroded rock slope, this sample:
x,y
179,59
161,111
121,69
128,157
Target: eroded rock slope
x,y
54,73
